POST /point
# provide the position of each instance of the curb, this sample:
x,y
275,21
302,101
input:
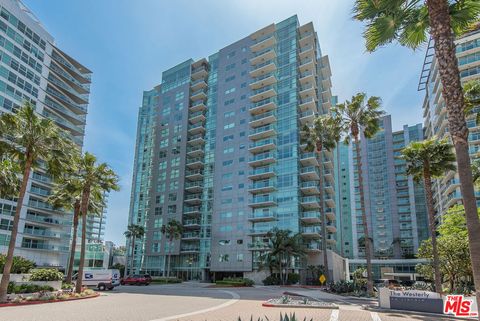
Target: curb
x,y
279,305
427,314
4,305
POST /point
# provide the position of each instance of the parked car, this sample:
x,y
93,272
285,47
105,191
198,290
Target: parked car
x,y
100,279
137,279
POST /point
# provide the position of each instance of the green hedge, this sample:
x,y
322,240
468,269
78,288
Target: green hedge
x,y
46,275
27,288
20,264
235,282
166,280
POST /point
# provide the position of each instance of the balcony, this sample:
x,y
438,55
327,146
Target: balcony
x,y
263,119
45,220
307,117
263,55
192,223
327,162
306,65
331,239
310,188
329,188
262,132
42,233
189,249
194,175
194,187
262,201
263,68
311,217
330,212
263,80
306,37
191,210
263,145
257,246
262,216
313,247
309,173
195,163
310,202
307,52
195,151
263,106
308,91
263,93
263,42
191,236
262,187
198,116
198,84
262,159
328,174
331,228
196,139
330,201
199,94
311,231
196,128
309,159
198,106
261,173
259,231
200,72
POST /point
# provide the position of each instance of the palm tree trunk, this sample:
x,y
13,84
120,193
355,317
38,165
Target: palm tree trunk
x,y
324,220
84,212
368,251
440,25
132,259
13,235
71,259
427,180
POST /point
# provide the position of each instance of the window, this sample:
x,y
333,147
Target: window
x,y
227,188
241,173
156,247
166,111
226,228
157,235
225,214
224,242
164,143
174,173
228,150
244,61
223,258
243,97
244,73
230,90
229,102
229,114
162,165
230,67
158,222
179,106
242,134
172,197
229,126
243,85
158,210
242,146
227,176
172,209
228,138
241,159
175,162
230,55
228,162
241,185
174,185
239,242
180,95
226,201
230,78
239,257
160,199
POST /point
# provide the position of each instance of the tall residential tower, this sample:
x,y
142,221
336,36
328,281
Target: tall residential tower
x,y
218,149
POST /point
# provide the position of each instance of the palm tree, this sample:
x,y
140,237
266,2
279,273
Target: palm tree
x,y
355,117
29,139
133,232
323,135
93,178
471,90
429,159
173,231
9,182
67,195
409,22
476,171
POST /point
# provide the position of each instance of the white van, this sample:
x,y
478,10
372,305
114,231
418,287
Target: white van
x,y
100,279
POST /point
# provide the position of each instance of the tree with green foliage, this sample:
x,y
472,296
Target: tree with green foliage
x,y
322,135
9,178
32,142
133,233
360,116
20,265
94,179
471,91
410,22
427,159
454,262
173,231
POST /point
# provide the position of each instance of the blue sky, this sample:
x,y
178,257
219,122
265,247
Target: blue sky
x,y
127,44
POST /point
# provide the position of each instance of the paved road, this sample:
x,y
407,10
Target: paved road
x,y
192,302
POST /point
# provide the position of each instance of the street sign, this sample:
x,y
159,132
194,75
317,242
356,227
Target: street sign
x,y
322,279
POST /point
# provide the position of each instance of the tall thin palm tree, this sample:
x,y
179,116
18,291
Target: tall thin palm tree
x,y
26,139
9,178
355,117
425,160
172,231
133,232
410,22
67,194
471,90
94,178
323,135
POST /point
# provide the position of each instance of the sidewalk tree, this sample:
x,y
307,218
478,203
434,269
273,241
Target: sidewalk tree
x,y
410,22
172,231
360,116
427,159
322,135
32,142
133,233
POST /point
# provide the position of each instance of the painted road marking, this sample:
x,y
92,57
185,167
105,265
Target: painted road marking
x,y
334,315
235,298
375,316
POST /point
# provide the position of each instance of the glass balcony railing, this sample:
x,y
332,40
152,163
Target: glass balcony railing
x,y
262,156
263,214
263,199
309,199
262,184
262,77
311,230
262,129
262,90
263,102
262,170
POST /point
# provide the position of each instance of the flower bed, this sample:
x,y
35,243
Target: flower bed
x,y
48,297
298,302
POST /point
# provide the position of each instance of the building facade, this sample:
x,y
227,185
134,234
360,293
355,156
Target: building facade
x,y
394,203
218,149
34,69
447,189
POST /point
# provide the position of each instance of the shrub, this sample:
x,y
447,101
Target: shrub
x,y
46,275
271,280
293,278
166,280
235,282
20,264
27,288
291,317
67,286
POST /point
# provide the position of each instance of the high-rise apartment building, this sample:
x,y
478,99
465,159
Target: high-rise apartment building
x,y
394,203
218,149
34,69
447,189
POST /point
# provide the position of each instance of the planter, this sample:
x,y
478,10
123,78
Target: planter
x,y
56,285
94,295
18,277
287,302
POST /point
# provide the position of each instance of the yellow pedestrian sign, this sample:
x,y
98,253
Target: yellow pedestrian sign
x,y
322,279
